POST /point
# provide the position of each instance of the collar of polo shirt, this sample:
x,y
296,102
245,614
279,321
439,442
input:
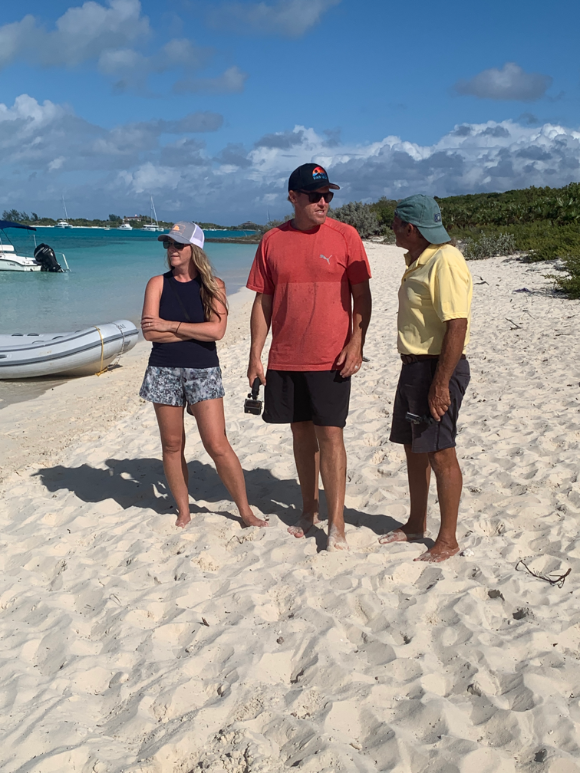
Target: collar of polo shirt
x,y
425,255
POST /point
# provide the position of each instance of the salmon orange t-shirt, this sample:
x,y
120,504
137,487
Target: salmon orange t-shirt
x,y
309,275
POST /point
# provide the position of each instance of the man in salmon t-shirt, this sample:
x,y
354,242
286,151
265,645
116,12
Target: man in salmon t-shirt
x,y
311,278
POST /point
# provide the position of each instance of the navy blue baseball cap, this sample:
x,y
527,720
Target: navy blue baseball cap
x,y
310,177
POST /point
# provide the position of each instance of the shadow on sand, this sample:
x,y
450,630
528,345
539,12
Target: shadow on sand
x,y
141,483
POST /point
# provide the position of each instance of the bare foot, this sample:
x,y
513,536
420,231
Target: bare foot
x,y
303,525
438,553
251,520
400,535
183,520
336,540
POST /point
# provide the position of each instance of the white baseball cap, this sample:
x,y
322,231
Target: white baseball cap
x,y
185,233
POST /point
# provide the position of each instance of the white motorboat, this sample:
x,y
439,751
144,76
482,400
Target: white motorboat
x,y
125,227
10,261
44,256
81,353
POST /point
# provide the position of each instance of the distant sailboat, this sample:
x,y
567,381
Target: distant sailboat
x,y
64,223
153,225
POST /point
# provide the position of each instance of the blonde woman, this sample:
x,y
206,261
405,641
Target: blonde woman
x,y
184,314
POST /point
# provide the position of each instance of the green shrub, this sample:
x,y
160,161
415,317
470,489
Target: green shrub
x,y
489,246
550,242
385,211
360,216
560,206
537,241
571,283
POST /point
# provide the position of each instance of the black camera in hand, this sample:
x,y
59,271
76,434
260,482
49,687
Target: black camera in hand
x,y
414,418
252,404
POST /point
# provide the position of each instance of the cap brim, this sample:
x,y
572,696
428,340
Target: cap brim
x,y
435,235
315,186
175,237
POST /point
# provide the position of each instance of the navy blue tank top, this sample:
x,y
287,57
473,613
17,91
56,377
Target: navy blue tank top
x,y
182,354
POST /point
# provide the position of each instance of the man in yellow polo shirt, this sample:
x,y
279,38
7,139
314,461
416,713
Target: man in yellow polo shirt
x,y
433,331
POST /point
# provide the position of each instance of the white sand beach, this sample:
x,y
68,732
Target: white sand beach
x,y
132,647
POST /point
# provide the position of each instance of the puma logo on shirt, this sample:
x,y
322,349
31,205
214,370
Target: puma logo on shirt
x,y
326,259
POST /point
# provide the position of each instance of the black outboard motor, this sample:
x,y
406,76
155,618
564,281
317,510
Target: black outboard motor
x,y
44,255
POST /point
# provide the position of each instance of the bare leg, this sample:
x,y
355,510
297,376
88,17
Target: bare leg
x,y
170,420
449,486
183,462
333,472
209,415
419,475
307,458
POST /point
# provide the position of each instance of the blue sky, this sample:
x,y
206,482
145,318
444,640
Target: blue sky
x,y
208,106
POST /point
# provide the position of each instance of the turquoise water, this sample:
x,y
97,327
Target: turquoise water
x,y
109,271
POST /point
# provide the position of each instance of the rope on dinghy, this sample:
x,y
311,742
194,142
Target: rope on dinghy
x,y
103,368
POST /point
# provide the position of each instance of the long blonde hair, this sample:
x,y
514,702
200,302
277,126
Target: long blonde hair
x,y
210,291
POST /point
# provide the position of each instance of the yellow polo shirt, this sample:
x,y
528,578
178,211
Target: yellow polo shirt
x,y
436,287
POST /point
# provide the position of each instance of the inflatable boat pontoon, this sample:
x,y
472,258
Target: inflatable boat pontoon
x,y
82,353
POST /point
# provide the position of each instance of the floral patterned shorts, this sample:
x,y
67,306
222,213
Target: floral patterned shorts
x,y
181,386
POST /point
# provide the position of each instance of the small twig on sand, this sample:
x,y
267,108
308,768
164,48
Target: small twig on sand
x,y
558,580
515,324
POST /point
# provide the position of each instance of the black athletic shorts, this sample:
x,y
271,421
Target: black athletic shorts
x,y
320,396
412,393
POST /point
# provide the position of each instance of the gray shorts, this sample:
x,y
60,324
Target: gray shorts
x,y
181,386
412,394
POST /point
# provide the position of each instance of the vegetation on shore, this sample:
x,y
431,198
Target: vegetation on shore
x,y
113,221
538,223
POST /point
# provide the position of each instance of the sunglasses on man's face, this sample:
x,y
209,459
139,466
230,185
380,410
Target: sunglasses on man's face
x,y
167,244
315,196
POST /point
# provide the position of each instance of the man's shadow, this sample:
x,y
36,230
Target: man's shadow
x,y
142,483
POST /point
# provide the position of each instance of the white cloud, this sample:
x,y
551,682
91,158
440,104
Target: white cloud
x,y
121,60
281,140
473,157
290,18
114,168
509,83
131,69
15,39
184,152
81,34
230,82
56,164
51,138
111,37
